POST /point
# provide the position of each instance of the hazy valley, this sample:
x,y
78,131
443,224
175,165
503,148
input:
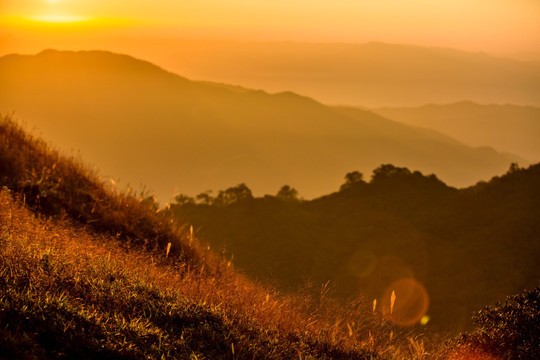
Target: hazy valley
x,y
508,128
437,216
372,74
143,125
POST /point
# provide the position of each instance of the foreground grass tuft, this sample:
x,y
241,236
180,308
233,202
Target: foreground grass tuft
x,y
55,185
505,331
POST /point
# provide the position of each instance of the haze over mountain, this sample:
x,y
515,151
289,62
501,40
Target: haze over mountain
x,y
508,128
371,74
144,125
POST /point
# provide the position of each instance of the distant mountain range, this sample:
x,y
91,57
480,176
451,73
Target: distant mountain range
x,y
372,74
508,128
145,125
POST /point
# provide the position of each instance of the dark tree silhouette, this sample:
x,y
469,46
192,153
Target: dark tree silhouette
x,y
233,194
388,171
287,193
352,178
205,198
182,200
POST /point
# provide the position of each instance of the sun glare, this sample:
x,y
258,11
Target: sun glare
x,y
59,19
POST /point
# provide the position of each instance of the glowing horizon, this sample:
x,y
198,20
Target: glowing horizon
x,y
499,26
57,18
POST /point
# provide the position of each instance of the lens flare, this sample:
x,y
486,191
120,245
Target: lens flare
x,y
425,319
411,302
362,263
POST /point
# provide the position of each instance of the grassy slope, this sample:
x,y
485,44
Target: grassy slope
x,y
105,289
68,293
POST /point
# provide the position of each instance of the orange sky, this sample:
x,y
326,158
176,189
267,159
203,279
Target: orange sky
x,y
495,26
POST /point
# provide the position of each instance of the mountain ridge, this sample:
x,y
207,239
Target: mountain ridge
x,y
149,127
507,127
372,74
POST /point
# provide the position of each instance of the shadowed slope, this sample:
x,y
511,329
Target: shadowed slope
x,y
469,247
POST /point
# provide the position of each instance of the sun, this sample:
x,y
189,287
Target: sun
x,y
56,16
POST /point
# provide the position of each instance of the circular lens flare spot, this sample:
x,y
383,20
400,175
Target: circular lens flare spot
x,y
425,319
362,263
411,302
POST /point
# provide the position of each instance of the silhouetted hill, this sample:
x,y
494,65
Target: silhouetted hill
x,y
371,74
144,125
507,128
468,247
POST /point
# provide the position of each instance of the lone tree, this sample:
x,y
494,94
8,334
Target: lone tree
x,y
351,179
287,193
514,167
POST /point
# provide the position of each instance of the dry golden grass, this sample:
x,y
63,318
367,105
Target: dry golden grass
x,y
114,277
97,278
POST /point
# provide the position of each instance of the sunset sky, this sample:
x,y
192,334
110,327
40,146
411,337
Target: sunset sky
x,y
494,26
